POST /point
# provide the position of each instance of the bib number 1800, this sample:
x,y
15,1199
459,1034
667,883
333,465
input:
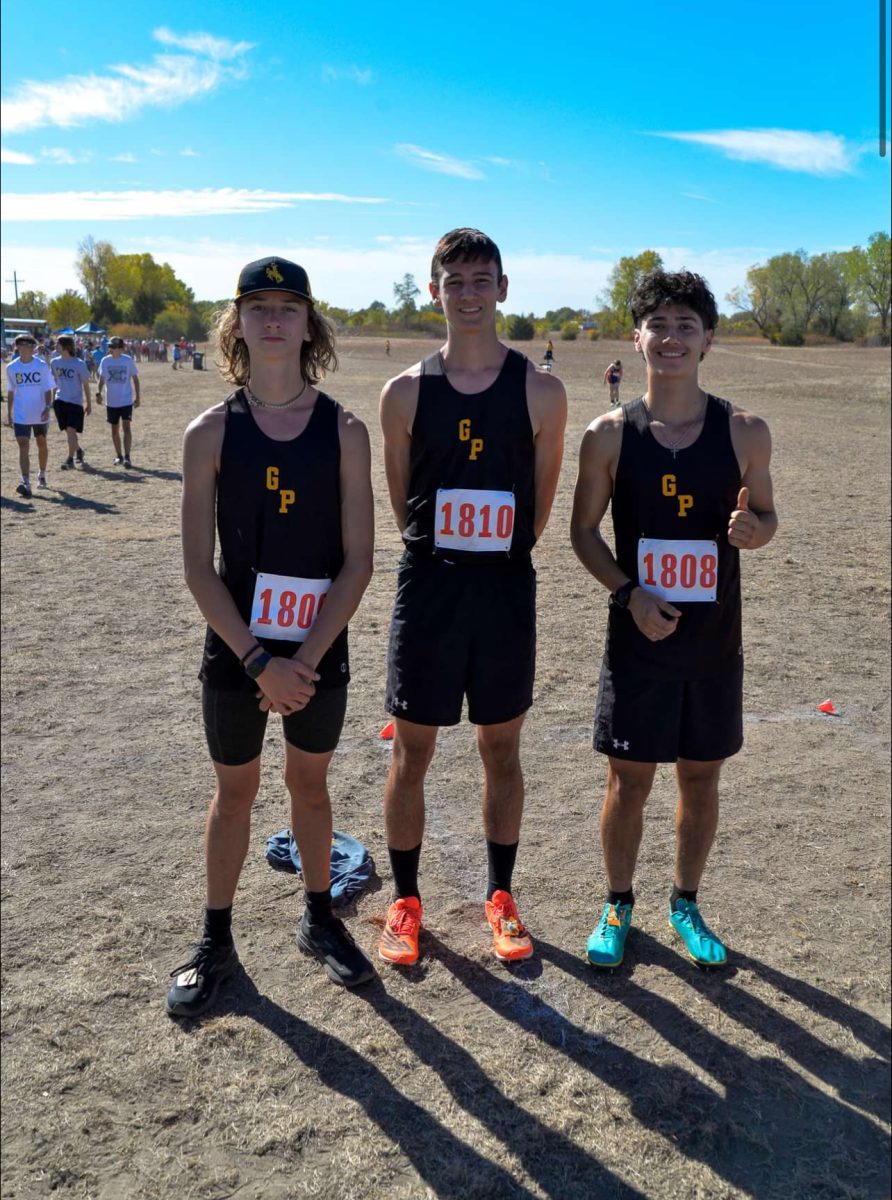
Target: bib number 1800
x,y
678,570
286,608
475,519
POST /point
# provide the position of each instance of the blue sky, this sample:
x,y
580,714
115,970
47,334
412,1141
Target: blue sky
x,y
351,136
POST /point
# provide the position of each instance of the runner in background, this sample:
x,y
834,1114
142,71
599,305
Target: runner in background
x,y
613,377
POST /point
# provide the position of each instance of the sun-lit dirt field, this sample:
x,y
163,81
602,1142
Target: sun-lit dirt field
x,y
458,1078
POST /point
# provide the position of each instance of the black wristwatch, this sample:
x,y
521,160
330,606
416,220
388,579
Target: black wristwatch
x,y
257,666
620,598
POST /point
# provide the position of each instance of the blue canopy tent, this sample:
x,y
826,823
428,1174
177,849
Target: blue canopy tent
x,y
66,331
89,327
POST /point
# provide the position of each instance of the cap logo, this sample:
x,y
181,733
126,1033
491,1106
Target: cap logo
x,y
273,273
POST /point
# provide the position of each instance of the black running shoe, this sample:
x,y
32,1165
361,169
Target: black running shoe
x,y
119,460
80,456
196,982
335,948
127,462
67,465
23,490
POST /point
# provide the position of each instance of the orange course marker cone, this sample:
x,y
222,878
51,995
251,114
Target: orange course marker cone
x,y
386,733
827,707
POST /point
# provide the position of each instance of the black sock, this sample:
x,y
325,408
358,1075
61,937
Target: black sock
x,y
679,894
218,925
501,866
318,906
621,897
404,865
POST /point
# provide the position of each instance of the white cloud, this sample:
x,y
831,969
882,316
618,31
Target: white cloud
x,y
359,75
128,206
188,152
121,91
202,43
787,149
127,157
63,157
16,158
443,164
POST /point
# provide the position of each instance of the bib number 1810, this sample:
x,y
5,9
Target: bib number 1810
x,y
474,519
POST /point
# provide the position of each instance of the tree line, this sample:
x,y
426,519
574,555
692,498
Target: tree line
x,y
844,295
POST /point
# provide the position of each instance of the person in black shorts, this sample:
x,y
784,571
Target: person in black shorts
x,y
72,400
473,438
286,472
687,476
29,394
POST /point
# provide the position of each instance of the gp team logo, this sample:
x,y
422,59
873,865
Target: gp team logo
x,y
273,273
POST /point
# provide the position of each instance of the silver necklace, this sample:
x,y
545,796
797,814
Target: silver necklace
x,y
685,427
256,402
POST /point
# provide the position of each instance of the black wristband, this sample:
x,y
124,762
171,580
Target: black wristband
x,y
248,653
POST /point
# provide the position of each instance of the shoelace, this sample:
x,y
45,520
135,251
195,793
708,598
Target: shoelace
x,y
405,921
202,952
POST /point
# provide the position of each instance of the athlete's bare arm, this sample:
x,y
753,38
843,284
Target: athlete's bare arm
x,y
547,404
358,536
753,523
287,684
85,385
399,401
134,381
598,458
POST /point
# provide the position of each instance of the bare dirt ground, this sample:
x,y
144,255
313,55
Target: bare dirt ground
x,y
458,1078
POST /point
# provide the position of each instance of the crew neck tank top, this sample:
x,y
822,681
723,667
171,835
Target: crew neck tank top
x,y
279,512
483,441
681,496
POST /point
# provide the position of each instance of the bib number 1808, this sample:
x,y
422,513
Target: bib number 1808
x,y
678,570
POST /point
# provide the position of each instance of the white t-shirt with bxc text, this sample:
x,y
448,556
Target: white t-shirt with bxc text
x,y
29,383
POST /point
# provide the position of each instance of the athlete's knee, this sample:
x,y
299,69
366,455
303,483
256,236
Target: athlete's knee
x,y
233,800
311,794
631,783
411,759
500,755
698,775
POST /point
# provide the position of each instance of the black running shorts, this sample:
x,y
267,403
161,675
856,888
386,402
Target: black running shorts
x,y
25,431
235,726
462,630
660,720
68,415
124,412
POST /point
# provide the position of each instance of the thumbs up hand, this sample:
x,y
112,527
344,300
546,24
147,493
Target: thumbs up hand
x,y
743,524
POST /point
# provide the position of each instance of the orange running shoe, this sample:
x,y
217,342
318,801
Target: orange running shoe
x,y
399,940
510,940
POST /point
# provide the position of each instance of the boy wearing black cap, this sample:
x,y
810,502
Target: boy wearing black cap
x,y
285,473
473,438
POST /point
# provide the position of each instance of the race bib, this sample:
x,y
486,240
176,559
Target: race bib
x,y
678,570
473,519
286,608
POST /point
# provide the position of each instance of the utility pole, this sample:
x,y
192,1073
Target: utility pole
x,y
15,281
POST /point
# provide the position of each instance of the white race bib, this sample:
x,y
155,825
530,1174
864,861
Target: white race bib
x,y
286,608
473,519
678,570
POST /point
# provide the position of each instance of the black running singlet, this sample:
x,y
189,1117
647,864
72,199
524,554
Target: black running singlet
x,y
279,513
670,521
471,493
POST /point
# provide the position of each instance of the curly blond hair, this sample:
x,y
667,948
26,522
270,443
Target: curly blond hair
x,y
317,356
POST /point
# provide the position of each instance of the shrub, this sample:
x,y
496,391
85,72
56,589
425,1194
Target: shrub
x,y
520,328
569,331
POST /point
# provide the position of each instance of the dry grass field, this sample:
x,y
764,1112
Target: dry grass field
x,y
458,1078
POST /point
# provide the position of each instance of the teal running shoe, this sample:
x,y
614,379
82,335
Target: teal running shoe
x,y
607,943
701,943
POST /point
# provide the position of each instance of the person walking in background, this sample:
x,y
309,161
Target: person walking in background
x,y
119,374
613,377
29,395
548,357
72,402
687,476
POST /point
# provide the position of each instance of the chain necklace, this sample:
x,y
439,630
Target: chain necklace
x,y
685,427
256,402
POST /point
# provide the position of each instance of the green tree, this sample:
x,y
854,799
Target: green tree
x,y
67,309
32,304
521,328
623,280
404,293
91,264
870,271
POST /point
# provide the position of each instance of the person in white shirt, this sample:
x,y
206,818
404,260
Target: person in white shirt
x,y
29,394
118,371
72,401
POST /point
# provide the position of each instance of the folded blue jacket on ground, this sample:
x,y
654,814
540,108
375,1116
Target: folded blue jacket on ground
x,y
351,864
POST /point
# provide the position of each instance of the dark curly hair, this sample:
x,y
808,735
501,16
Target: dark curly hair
x,y
317,356
464,245
673,287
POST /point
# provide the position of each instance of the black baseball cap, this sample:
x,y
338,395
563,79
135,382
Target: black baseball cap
x,y
273,275
115,342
